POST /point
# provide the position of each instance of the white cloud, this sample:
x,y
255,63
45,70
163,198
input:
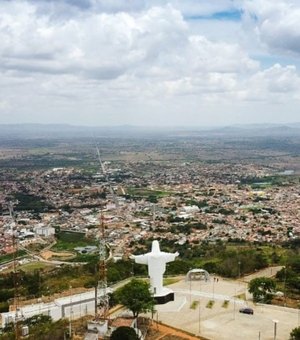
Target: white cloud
x,y
277,23
276,84
106,46
105,63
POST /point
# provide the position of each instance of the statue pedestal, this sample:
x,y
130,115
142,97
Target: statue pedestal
x,y
165,296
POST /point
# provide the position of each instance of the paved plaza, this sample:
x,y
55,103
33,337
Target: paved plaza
x,y
223,322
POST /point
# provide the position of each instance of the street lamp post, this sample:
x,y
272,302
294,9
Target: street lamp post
x,y
200,307
199,315
285,286
298,306
190,278
234,303
70,314
275,328
190,290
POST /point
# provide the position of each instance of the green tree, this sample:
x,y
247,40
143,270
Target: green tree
x,y
48,330
178,267
38,319
262,289
124,333
136,296
295,334
4,307
40,327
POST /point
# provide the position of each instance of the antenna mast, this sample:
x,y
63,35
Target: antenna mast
x,y
101,293
107,178
16,273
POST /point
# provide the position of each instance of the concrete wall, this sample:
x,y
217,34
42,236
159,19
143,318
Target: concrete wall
x,y
72,306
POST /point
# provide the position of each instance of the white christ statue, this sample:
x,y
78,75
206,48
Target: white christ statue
x,y
156,261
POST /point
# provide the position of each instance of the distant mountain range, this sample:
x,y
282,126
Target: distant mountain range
x,y
49,131
260,129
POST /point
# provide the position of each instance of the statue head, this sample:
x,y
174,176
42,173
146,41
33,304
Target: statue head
x,y
155,247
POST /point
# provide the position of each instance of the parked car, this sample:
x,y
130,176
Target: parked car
x,y
246,310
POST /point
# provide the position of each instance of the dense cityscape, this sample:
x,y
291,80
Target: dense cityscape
x,y
219,201
52,211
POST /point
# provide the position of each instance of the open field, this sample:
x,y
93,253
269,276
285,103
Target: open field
x,y
146,192
32,266
67,241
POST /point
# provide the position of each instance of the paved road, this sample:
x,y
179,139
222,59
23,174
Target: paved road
x,y
268,272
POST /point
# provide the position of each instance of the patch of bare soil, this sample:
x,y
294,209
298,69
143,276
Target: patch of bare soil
x,y
48,254
158,331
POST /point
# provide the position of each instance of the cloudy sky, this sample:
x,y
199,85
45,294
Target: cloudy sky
x,y
149,62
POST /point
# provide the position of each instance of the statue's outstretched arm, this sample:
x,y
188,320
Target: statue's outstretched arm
x,y
169,257
142,259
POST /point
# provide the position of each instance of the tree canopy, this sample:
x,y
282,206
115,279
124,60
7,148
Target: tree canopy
x,y
124,333
40,327
262,289
136,296
295,334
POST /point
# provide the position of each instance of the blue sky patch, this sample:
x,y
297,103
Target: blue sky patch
x,y
234,15
267,61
